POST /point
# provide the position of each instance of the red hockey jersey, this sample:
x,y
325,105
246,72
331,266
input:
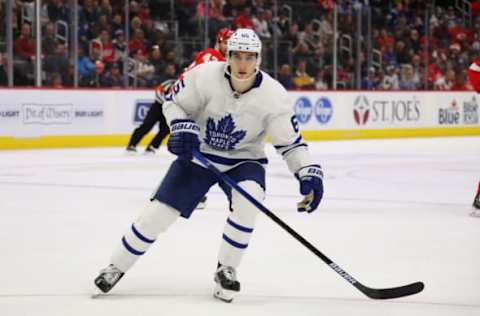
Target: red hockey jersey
x,y
474,74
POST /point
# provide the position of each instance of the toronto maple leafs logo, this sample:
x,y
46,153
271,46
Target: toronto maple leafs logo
x,y
222,136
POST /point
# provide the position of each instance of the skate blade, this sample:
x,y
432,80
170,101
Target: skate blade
x,y
226,296
201,206
97,293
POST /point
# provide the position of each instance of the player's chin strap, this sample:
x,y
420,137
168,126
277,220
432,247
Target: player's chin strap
x,y
388,293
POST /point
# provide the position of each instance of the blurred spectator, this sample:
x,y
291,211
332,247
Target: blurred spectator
x,y
320,81
56,63
301,79
403,56
370,81
105,45
389,55
85,65
68,81
3,70
407,81
56,81
95,79
113,77
157,61
262,28
119,45
309,37
460,82
137,42
58,11
170,72
117,22
24,44
285,77
171,58
106,9
390,80
24,51
445,80
88,16
49,42
103,24
144,70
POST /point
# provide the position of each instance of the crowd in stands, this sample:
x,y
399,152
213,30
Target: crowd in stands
x,y
418,47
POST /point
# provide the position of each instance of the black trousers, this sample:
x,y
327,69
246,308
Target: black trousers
x,y
154,115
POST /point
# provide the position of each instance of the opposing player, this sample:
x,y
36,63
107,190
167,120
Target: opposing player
x,y
474,77
155,113
224,110
214,54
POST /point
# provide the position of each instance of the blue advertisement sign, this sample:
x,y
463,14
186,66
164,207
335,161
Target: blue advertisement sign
x,y
303,109
141,110
323,110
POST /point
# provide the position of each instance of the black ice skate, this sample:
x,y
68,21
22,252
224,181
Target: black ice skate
x,y
226,284
131,150
107,279
150,150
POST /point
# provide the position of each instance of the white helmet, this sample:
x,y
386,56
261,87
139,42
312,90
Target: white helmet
x,y
244,40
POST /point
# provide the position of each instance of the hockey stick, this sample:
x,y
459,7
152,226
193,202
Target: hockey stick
x,y
388,293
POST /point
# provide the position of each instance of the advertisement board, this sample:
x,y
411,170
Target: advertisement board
x,y
31,118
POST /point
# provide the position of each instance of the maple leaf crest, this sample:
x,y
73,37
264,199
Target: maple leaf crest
x,y
222,136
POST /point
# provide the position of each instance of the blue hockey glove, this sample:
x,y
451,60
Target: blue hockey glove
x,y
183,138
311,185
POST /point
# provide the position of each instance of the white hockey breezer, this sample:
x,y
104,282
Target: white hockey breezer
x,y
227,285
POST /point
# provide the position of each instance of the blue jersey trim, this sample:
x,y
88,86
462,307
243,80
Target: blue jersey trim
x,y
298,140
234,243
289,150
232,161
141,237
239,227
131,249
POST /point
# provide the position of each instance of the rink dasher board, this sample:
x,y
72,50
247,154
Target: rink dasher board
x,y
53,118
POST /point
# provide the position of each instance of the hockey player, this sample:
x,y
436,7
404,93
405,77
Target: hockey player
x,y
224,110
214,54
474,77
155,114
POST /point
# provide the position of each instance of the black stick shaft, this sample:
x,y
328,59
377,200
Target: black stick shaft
x,y
372,293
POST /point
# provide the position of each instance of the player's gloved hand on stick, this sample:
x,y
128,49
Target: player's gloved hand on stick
x,y
311,185
183,138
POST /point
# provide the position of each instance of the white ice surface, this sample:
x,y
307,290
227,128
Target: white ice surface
x,y
394,212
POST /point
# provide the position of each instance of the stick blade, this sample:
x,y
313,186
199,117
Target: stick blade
x,y
395,292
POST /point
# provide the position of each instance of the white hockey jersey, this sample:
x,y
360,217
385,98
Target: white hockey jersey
x,y
233,126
